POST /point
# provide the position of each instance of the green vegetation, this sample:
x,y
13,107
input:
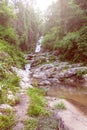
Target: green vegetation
x,y
40,118
9,81
6,119
80,73
42,123
66,30
31,124
20,23
60,106
37,102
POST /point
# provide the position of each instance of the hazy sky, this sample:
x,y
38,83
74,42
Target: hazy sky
x,y
43,4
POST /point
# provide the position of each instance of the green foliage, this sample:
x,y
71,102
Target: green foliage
x,y
7,32
9,81
42,123
73,46
6,13
49,39
60,106
37,102
6,120
67,32
80,73
12,55
31,124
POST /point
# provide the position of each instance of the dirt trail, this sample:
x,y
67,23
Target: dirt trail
x,y
21,111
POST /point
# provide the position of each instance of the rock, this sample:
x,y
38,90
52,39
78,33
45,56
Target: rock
x,y
46,67
10,96
25,81
44,82
27,67
38,60
40,75
54,81
1,114
73,72
69,119
5,106
85,77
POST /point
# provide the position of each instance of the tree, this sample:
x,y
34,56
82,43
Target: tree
x,y
26,24
6,15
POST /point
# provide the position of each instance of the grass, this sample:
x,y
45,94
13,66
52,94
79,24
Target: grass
x,y
6,119
37,102
31,124
41,123
9,81
60,106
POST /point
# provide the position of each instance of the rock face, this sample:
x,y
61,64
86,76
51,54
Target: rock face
x,y
69,119
57,73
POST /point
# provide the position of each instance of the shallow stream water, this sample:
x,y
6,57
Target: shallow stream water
x,y
77,96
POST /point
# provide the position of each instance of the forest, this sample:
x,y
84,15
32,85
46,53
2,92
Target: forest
x,y
63,26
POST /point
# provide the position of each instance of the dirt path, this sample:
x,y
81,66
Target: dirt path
x,y
21,111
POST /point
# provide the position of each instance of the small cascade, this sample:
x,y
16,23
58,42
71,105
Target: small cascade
x,y
27,67
38,46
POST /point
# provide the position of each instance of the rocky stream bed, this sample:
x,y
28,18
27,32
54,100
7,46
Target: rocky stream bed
x,y
62,82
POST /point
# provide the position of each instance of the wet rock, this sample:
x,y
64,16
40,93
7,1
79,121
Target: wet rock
x,y
54,81
40,75
57,72
44,82
46,67
25,81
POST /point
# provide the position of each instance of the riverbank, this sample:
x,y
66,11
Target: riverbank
x,y
61,83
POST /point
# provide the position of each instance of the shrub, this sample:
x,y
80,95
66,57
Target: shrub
x,y
7,120
50,38
31,124
60,106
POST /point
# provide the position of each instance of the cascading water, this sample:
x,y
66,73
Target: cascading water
x,y
38,46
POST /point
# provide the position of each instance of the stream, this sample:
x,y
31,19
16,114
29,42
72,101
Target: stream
x,y
75,95
74,98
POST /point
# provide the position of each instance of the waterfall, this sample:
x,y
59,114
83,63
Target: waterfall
x,y
38,45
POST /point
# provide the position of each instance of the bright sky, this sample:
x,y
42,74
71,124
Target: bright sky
x,y
43,4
